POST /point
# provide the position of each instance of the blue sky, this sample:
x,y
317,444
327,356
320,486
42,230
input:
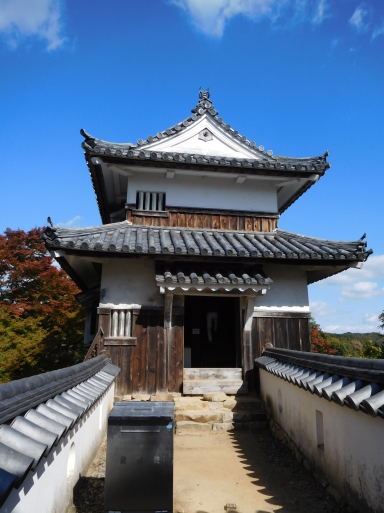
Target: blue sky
x,y
298,77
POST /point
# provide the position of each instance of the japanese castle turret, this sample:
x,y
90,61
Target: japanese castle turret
x,y
189,277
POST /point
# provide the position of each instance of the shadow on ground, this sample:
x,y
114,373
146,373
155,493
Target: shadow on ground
x,y
88,495
277,474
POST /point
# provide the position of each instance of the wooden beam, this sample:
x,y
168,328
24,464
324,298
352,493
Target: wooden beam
x,y
283,315
248,304
120,341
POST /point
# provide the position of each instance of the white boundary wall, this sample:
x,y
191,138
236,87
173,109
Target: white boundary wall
x,y
346,446
49,489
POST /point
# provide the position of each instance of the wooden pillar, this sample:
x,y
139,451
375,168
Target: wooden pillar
x,y
167,356
87,325
104,323
248,309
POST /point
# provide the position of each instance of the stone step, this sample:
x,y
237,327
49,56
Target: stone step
x,y
186,427
218,415
213,373
201,417
252,403
202,386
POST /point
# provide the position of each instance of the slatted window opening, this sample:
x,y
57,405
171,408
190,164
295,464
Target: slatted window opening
x,y
121,323
146,200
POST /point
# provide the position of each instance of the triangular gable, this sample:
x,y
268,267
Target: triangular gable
x,y
205,137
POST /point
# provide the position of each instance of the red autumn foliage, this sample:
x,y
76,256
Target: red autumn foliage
x,y
37,302
319,342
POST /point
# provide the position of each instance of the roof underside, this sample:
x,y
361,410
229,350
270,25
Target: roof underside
x,y
169,149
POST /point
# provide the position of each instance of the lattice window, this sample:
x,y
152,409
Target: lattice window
x,y
121,323
147,200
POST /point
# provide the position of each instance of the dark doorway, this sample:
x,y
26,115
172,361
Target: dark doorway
x,y
212,331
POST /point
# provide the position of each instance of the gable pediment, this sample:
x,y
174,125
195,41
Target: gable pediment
x,y
204,137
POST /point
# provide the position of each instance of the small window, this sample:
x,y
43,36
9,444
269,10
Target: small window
x,y
121,323
146,200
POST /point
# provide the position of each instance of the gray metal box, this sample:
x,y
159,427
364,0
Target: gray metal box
x,y
139,467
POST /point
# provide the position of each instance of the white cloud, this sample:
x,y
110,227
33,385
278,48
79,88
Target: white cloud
x,y
319,308
378,31
357,19
20,19
320,11
362,290
210,16
351,328
72,223
373,269
372,318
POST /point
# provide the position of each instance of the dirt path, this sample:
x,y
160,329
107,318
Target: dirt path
x,y
254,471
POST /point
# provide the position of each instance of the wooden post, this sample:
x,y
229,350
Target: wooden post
x,y
104,324
248,307
167,356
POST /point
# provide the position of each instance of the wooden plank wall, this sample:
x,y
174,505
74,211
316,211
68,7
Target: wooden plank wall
x,y
206,220
150,367
285,332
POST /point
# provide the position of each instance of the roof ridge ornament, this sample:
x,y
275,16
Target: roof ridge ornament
x,y
204,104
204,95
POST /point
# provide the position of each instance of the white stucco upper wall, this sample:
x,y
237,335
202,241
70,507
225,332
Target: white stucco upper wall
x,y
206,191
128,283
131,282
288,292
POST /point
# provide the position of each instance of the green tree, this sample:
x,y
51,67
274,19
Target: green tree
x,y
41,323
371,351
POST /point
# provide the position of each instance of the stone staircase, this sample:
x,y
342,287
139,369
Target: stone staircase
x,y
198,381
215,412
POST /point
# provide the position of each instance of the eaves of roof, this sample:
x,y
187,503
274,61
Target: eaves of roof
x,y
124,238
354,382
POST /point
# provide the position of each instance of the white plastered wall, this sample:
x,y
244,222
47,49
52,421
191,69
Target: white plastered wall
x,y
49,489
287,293
127,283
207,191
353,456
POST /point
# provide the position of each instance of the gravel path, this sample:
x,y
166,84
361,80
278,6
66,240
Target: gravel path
x,y
254,470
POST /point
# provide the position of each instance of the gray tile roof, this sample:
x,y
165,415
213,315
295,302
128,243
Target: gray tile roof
x,y
353,382
202,274
37,412
263,160
124,238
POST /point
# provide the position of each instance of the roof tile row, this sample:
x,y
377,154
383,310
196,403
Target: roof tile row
x,y
125,238
31,437
346,381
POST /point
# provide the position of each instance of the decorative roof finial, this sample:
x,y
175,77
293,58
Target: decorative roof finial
x,y
203,95
204,104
